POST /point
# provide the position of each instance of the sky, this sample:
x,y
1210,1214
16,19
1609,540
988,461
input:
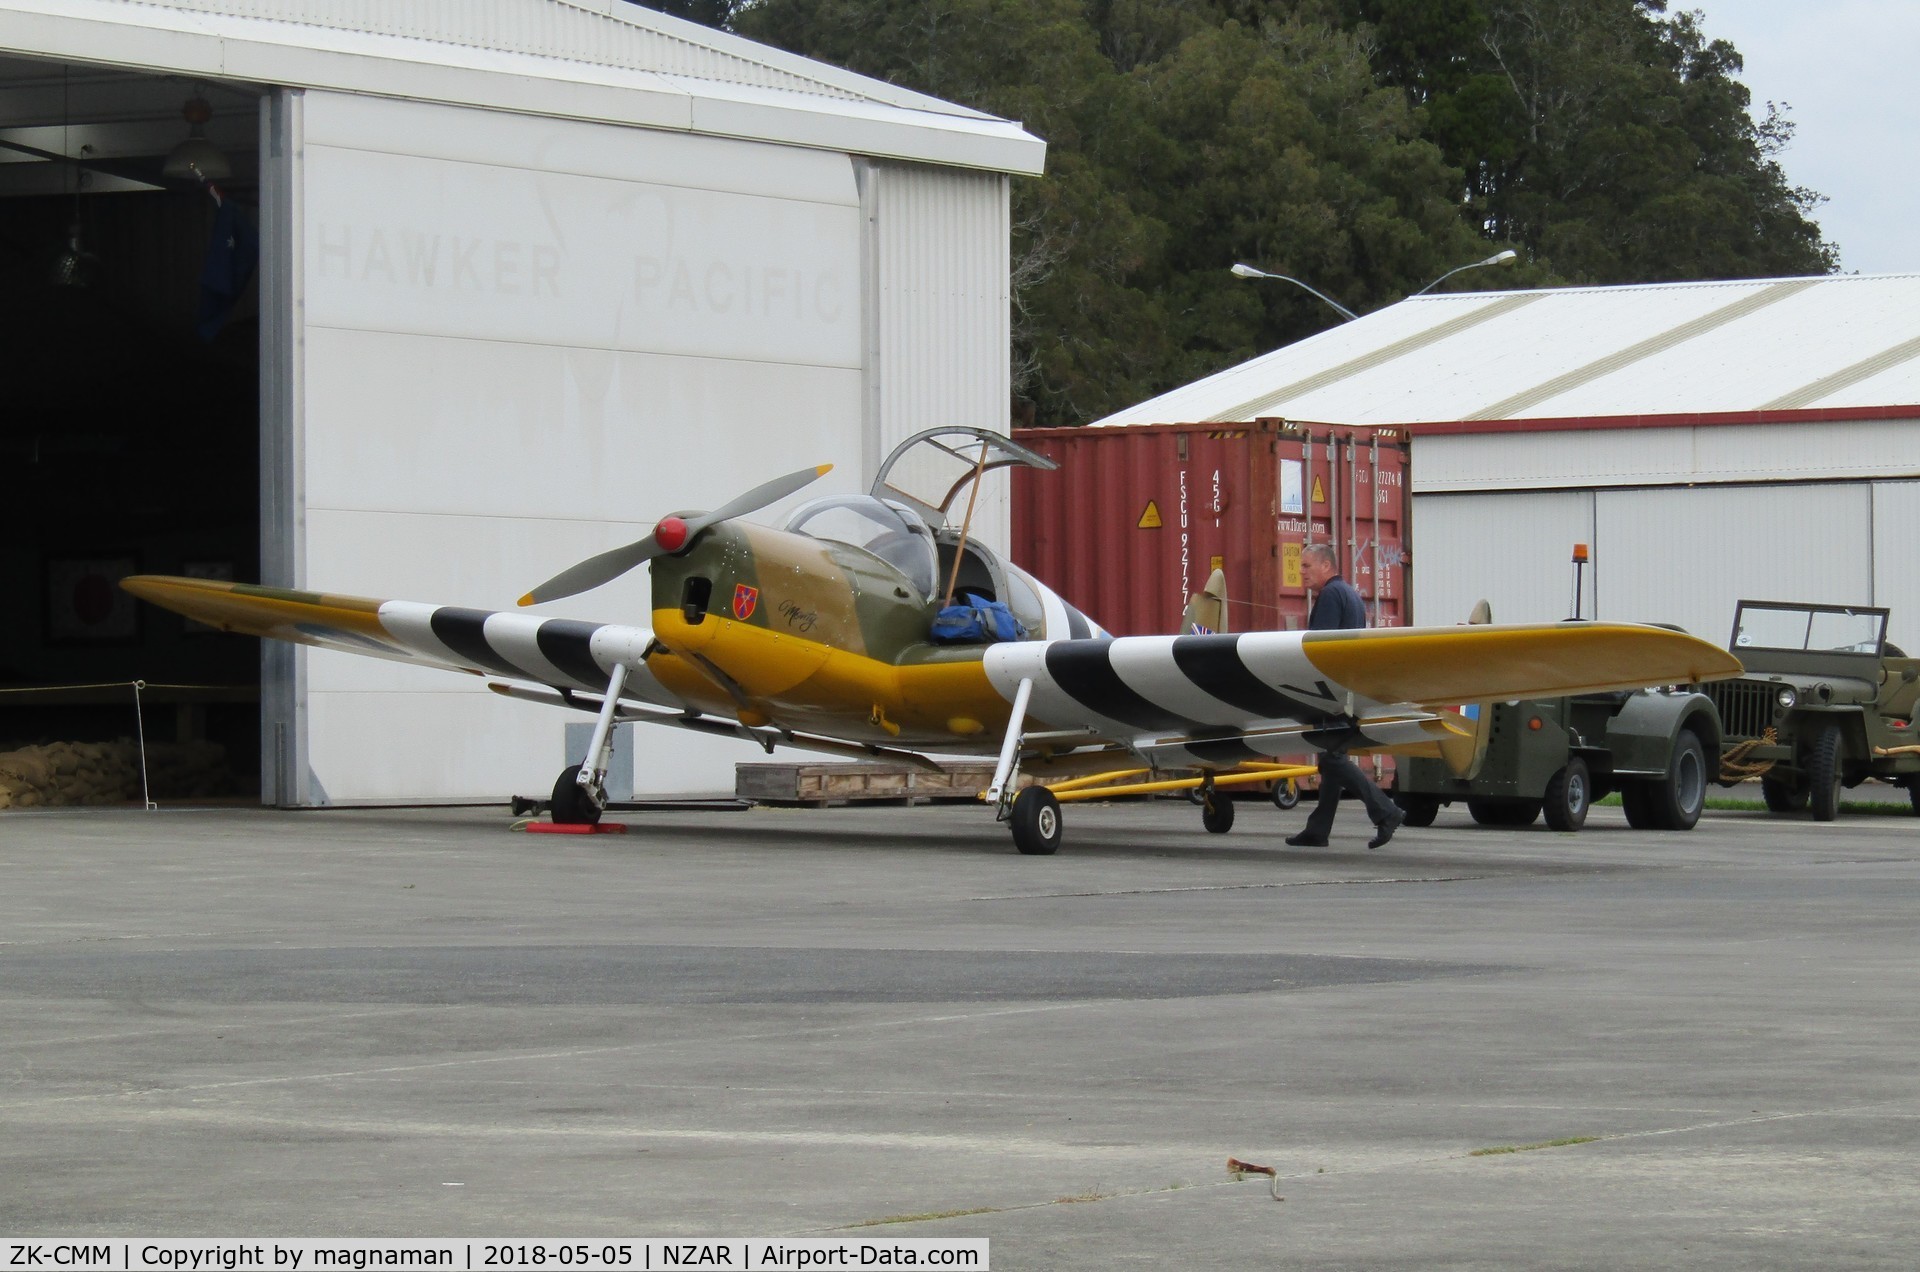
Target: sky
x,y
1845,68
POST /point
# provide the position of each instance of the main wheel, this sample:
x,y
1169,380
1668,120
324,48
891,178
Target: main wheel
x,y
1674,802
1037,826
1286,795
572,806
1419,810
1780,797
1216,814
1490,811
1823,773
1569,795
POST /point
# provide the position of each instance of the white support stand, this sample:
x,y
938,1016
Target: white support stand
x,y
1005,773
593,766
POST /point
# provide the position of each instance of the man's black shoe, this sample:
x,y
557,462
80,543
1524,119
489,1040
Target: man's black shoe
x,y
1383,831
1304,840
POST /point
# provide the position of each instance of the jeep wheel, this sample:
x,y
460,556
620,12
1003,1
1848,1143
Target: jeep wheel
x,y
1420,810
1489,811
1780,797
1569,794
1636,797
1823,773
1674,802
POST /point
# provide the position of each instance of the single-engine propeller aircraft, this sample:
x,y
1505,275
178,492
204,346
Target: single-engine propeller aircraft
x,y
830,635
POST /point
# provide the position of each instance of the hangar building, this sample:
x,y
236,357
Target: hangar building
x,y
531,273
1710,441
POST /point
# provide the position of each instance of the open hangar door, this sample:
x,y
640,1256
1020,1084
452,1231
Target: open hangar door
x,y
129,427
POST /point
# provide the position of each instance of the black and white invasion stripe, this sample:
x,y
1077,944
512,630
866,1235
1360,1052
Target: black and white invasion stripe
x,y
1217,685
562,652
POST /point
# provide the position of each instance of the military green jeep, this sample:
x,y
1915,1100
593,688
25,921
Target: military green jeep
x,y
1825,703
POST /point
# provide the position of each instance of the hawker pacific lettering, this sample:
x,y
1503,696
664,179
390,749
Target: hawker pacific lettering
x,y
743,289
438,261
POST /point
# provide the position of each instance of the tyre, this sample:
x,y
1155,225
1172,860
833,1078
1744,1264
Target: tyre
x,y
1823,773
1674,802
1781,797
1216,814
1636,797
1286,795
1569,795
571,805
1514,813
1037,826
1419,810
1913,794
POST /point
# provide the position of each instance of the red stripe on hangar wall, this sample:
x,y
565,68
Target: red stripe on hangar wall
x,y
1698,419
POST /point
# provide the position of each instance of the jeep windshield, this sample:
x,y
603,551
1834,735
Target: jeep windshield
x,y
1828,629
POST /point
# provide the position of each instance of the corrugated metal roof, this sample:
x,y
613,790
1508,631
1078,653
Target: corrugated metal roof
x,y
1583,352
588,59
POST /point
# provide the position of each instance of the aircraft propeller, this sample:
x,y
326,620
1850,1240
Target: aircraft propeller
x,y
670,535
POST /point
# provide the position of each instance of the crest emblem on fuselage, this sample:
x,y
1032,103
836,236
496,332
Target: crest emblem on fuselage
x,y
745,601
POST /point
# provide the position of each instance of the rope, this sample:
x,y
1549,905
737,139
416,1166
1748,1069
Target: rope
x,y
1734,766
113,684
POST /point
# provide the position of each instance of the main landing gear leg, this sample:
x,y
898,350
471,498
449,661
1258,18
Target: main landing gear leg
x,y
580,796
1033,813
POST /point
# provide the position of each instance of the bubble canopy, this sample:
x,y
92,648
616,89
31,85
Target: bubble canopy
x,y
890,531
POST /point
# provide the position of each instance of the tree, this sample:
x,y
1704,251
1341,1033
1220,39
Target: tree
x,y
1367,146
1610,140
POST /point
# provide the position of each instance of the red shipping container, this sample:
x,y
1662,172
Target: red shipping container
x,y
1135,519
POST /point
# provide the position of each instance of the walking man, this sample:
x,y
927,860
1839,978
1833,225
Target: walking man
x,y
1337,605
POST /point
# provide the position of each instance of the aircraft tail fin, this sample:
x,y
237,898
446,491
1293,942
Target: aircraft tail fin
x,y
1207,609
1465,747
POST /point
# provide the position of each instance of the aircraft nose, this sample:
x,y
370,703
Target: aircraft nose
x,y
696,595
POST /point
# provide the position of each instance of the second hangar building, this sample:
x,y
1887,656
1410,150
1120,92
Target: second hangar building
x,y
1709,441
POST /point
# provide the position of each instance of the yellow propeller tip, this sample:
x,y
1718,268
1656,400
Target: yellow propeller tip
x,y
822,470
527,600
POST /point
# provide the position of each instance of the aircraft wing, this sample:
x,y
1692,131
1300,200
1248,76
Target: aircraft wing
x,y
564,653
1219,699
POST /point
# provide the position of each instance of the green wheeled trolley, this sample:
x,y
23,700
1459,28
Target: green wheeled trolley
x,y
1553,757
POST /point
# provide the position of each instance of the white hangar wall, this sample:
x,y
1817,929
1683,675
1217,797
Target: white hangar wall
x,y
517,341
938,317
1682,520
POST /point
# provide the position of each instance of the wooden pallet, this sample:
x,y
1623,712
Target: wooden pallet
x,y
820,785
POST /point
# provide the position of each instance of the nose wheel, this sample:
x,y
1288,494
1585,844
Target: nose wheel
x,y
573,804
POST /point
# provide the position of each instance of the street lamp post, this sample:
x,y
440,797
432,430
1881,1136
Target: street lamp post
x,y
1248,271
1498,258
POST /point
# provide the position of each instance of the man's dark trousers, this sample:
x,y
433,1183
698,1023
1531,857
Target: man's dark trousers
x,y
1338,772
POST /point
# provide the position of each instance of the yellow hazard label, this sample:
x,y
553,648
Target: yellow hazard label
x,y
1319,491
1290,565
1150,519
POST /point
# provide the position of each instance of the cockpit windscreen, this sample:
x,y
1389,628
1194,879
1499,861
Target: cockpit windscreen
x,y
887,529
